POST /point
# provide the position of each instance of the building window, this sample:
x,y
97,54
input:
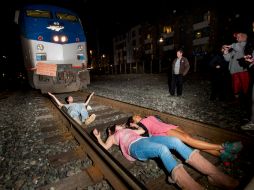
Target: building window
x,y
140,41
133,33
167,29
198,18
203,17
139,31
169,41
207,16
134,43
205,32
148,46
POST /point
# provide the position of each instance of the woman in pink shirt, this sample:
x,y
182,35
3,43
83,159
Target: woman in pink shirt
x,y
153,126
133,147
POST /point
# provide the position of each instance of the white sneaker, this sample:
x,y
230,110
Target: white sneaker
x,y
90,119
248,126
89,108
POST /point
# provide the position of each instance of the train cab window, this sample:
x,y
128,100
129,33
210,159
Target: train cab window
x,y
38,13
66,16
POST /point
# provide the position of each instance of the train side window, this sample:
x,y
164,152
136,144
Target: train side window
x,y
38,13
66,16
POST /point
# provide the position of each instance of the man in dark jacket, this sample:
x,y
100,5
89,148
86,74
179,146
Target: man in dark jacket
x,y
180,67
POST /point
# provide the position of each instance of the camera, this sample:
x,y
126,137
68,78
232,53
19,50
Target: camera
x,y
242,62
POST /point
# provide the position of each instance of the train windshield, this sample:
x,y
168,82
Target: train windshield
x,y
38,13
67,17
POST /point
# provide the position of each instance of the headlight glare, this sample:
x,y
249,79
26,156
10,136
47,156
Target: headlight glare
x,y
56,38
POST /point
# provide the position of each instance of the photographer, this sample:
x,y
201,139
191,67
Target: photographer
x,y
240,76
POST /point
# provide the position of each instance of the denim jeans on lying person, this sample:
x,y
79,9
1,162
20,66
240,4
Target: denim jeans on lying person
x,y
159,147
77,111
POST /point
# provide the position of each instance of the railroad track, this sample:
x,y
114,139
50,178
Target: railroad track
x,y
109,169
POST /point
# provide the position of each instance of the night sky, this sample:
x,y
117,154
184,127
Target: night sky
x,y
104,19
100,17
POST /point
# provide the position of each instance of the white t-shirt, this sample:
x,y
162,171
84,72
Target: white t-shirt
x,y
177,66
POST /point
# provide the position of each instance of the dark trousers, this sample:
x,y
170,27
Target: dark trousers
x,y
218,87
176,84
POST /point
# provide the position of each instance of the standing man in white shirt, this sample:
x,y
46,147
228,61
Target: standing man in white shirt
x,y
180,67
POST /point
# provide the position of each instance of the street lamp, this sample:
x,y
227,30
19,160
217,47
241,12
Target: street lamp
x,y
161,40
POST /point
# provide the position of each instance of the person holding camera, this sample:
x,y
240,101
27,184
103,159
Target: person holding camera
x,y
239,74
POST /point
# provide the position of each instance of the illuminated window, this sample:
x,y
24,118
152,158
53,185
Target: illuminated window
x,y
167,29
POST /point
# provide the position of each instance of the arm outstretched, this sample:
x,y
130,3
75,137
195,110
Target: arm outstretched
x,y
109,142
89,98
56,100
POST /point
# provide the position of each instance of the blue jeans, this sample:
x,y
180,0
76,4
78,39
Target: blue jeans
x,y
158,147
77,111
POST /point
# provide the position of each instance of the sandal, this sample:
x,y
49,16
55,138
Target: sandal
x,y
233,148
90,119
227,156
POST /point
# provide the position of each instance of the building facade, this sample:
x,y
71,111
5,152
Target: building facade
x,y
151,47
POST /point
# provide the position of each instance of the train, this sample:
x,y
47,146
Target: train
x,y
54,48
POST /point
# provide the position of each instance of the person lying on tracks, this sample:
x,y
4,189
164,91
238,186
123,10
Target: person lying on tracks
x,y
78,111
152,125
134,146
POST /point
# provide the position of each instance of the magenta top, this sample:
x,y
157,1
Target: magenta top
x,y
156,127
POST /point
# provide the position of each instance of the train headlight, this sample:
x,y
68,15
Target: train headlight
x,y
61,39
64,39
56,38
40,47
80,47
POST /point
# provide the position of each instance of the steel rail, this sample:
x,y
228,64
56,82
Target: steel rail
x,y
118,176
110,168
